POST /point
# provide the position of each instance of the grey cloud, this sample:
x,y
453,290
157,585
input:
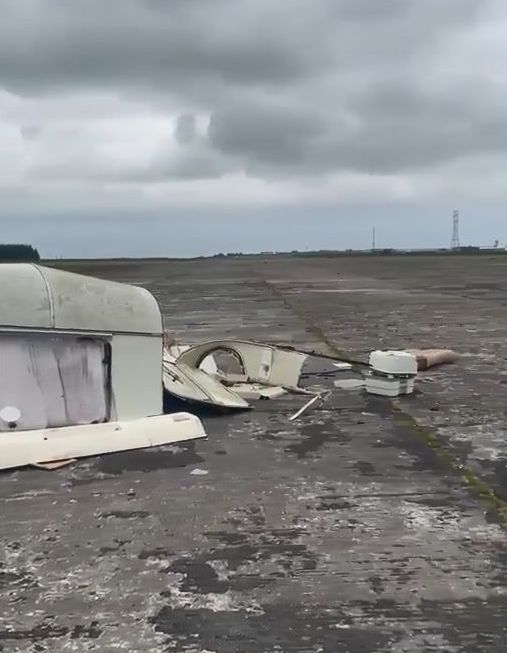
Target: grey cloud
x,y
404,127
194,163
170,46
274,135
293,87
185,131
53,45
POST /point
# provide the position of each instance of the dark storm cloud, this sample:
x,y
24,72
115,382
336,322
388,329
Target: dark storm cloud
x,y
49,45
291,87
270,134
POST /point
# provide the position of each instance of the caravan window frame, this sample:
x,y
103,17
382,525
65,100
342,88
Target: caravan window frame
x,y
105,339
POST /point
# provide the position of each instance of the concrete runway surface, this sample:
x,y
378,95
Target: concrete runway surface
x,y
366,526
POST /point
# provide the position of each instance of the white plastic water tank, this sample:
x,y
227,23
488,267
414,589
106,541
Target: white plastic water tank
x,y
392,373
399,363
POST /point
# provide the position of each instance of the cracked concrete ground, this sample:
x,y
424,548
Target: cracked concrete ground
x,y
344,531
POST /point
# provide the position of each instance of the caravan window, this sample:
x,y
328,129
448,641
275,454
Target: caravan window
x,y
52,380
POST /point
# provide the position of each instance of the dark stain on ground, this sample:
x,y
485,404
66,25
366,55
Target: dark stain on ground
x,y
148,460
268,434
9,579
403,573
400,437
314,437
91,631
201,578
118,544
439,501
282,627
237,550
155,554
365,468
126,514
47,629
252,515
13,546
473,624
327,503
377,584
498,469
501,564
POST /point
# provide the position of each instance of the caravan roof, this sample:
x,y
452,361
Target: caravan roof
x,y
33,296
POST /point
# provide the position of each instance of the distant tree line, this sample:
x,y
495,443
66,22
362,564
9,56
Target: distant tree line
x,y
324,253
18,253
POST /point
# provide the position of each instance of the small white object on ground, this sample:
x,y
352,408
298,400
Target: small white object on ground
x,y
314,400
343,366
199,472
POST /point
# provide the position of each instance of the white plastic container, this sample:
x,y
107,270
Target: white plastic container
x,y
392,373
394,362
389,386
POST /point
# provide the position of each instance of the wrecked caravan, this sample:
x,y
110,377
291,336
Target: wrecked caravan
x,y
80,368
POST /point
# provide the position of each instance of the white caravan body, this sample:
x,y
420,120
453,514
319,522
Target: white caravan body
x,y
79,351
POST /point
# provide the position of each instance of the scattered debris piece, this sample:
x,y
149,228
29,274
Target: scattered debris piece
x,y
392,373
57,464
427,358
198,387
318,399
343,366
256,391
229,373
257,363
248,371
199,472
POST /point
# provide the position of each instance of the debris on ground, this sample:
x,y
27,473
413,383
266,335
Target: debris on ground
x,y
230,373
392,373
427,358
318,399
255,362
84,374
197,387
256,391
54,465
342,366
199,472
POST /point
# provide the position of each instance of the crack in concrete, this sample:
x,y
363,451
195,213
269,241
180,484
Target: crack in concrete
x,y
470,479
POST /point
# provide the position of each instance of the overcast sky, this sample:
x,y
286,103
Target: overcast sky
x,y
181,127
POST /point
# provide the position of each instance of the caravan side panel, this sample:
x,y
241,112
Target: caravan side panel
x,y
136,376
